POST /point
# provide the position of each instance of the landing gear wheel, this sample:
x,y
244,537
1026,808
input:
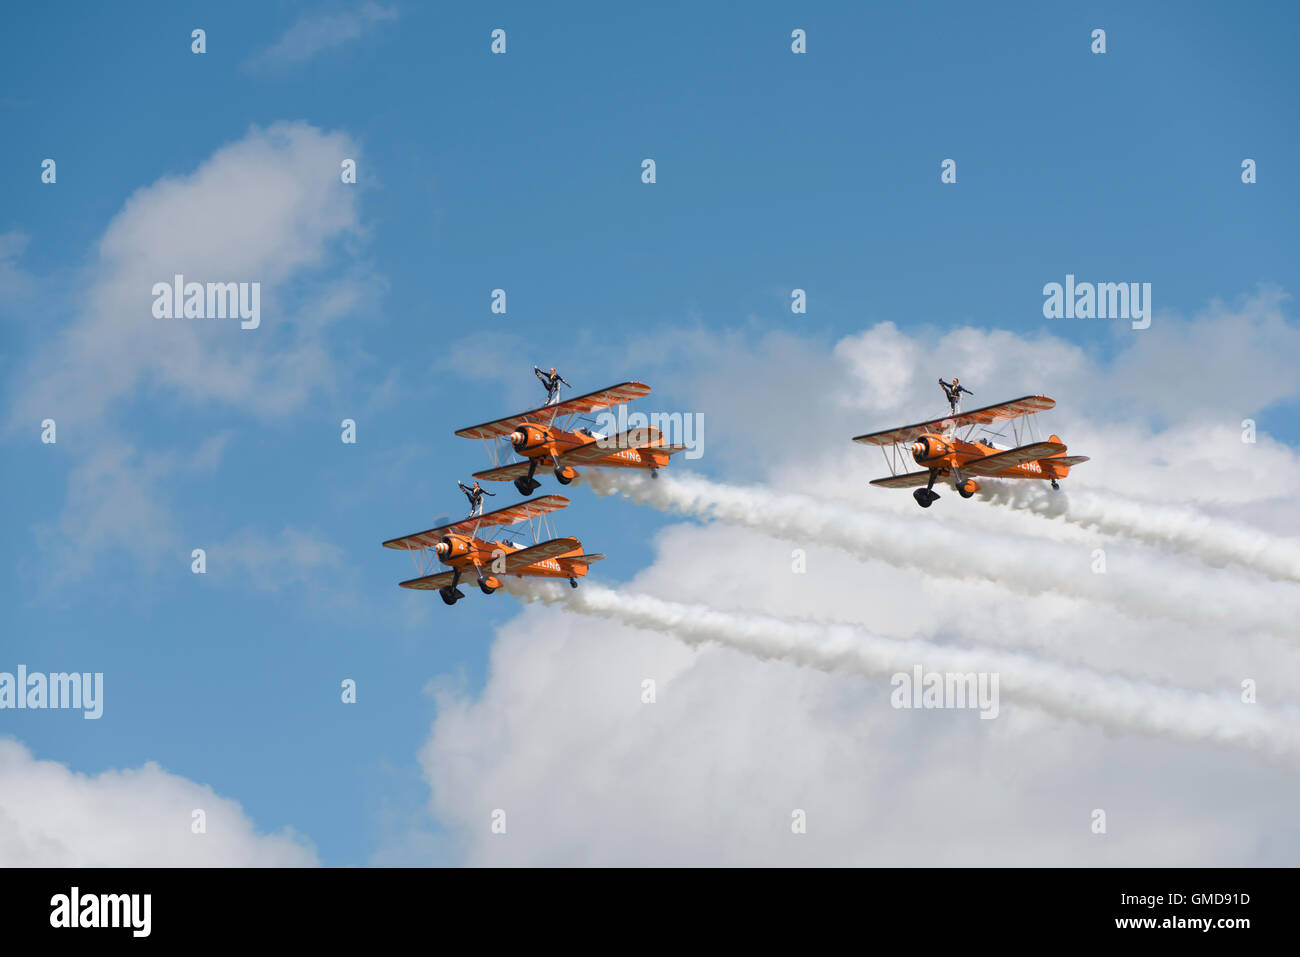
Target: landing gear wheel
x,y
564,474
925,497
573,583
450,595
967,487
526,485
485,588
654,473
1055,485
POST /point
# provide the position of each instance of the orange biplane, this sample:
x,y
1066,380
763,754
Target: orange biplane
x,y
459,546
546,436
944,455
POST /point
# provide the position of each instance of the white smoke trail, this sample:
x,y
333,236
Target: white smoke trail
x,y
1119,704
1214,541
1030,566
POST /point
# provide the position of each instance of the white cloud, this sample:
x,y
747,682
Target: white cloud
x,y
51,816
272,562
16,284
317,32
269,209
115,503
588,774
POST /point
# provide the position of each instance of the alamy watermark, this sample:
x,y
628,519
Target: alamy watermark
x,y
675,428
1103,300
80,690
179,299
946,689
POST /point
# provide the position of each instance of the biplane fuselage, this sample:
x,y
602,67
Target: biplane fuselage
x,y
469,552
531,440
934,450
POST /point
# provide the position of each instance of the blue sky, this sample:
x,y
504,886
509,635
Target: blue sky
x,y
522,171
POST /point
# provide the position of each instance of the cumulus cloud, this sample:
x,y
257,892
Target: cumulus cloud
x,y
1084,695
51,816
564,741
268,208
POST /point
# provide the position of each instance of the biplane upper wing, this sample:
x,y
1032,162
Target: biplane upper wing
x,y
501,516
909,480
604,399
993,464
604,448
556,547
1025,405
430,582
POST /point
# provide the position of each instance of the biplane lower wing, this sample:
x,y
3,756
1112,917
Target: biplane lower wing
x,y
545,551
592,401
509,515
910,480
429,582
1025,405
604,448
590,455
993,464
504,473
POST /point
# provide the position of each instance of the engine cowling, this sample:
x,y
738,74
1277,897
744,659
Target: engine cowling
x,y
530,437
930,448
453,546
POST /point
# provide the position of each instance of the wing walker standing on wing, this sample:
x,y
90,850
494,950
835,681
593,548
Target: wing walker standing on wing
x,y
552,381
475,496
